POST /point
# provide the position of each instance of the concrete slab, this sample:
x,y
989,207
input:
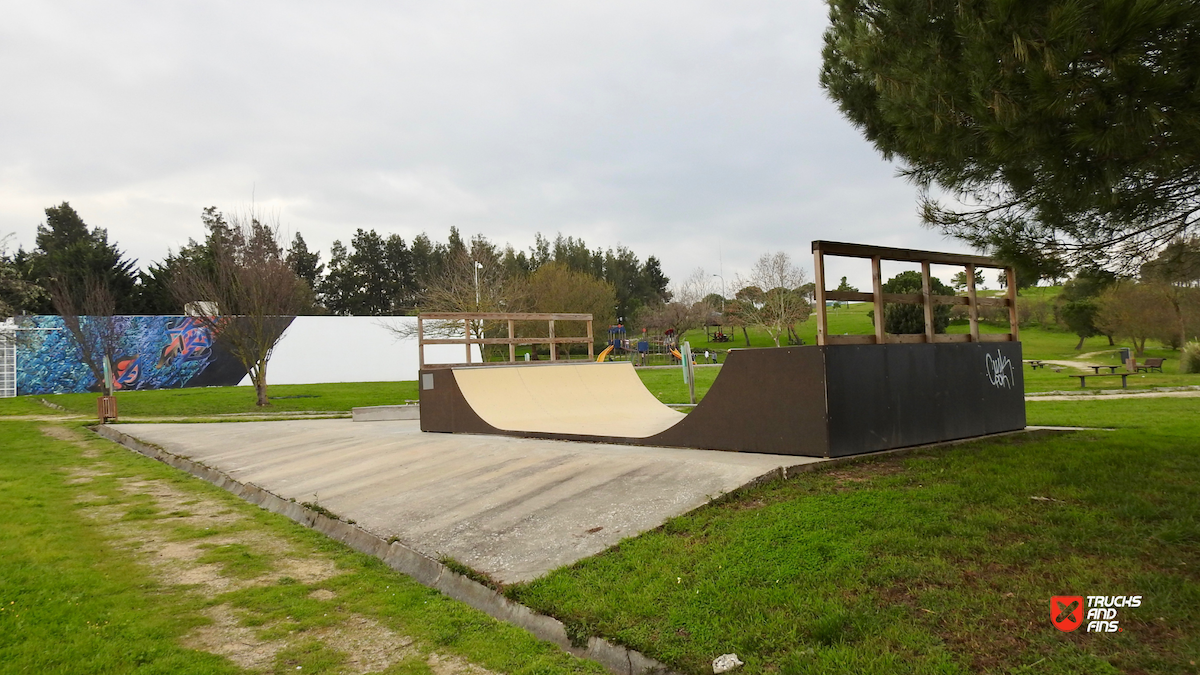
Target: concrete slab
x,y
515,508
386,413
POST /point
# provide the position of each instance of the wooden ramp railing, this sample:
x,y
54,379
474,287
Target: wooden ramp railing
x,y
926,298
473,324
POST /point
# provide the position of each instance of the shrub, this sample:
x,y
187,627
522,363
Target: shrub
x,y
1189,358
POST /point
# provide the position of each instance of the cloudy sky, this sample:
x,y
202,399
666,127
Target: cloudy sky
x,y
694,131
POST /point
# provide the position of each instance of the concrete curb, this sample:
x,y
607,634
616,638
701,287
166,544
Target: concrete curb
x,y
423,569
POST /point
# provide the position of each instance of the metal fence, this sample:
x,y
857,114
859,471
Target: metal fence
x,y
8,365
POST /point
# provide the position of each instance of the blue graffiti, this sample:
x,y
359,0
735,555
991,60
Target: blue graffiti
x,y
153,352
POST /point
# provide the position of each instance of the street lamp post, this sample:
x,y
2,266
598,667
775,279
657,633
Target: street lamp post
x,y
478,266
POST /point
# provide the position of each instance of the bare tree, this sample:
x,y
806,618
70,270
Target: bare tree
x,y
1136,311
687,308
773,296
87,309
472,280
255,291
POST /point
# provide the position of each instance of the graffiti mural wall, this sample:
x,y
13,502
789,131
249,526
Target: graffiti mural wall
x,y
155,352
163,352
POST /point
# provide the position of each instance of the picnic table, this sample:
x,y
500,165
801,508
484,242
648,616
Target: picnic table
x,y
1111,369
1035,363
1083,378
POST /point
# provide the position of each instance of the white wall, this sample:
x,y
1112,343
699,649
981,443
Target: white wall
x,y
352,349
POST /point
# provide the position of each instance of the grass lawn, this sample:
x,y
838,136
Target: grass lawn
x,y
937,562
114,563
202,401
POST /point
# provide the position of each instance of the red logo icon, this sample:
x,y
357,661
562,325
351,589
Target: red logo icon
x,y
1066,612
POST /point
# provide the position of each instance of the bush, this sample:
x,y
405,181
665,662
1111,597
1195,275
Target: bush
x,y
1189,358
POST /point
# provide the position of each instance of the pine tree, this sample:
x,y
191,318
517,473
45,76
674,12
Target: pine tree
x,y
72,255
1070,127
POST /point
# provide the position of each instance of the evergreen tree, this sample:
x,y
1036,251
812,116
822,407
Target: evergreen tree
x,y
69,253
307,265
902,318
1078,303
1071,127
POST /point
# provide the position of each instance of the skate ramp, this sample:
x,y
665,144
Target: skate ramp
x,y
589,399
817,401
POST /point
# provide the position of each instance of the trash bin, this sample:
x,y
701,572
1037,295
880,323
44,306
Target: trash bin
x,y
1125,355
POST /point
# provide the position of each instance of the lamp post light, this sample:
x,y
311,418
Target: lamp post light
x,y
478,266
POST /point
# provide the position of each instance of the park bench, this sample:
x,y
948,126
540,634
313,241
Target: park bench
x,y
1083,378
1151,365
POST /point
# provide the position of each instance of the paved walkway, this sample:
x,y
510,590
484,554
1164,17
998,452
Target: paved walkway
x,y
515,508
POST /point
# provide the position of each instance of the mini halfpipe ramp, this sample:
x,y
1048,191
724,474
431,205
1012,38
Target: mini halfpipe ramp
x,y
818,401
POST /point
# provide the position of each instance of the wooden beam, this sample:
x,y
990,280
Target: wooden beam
x,y
467,332
907,255
591,342
972,303
951,337
877,291
905,298
906,339
553,347
997,337
502,316
849,339
508,341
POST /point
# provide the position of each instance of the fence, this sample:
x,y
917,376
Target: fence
x,y
473,323
925,298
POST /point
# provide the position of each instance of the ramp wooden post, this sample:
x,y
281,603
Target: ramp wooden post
x,y
927,299
512,346
420,343
877,289
819,296
1013,324
553,346
972,307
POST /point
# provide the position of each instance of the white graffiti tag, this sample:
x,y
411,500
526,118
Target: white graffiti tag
x,y
999,370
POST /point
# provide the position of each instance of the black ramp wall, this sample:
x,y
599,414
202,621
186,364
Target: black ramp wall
x,y
900,395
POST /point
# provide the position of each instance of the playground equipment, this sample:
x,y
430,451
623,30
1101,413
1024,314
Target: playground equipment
x,y
846,395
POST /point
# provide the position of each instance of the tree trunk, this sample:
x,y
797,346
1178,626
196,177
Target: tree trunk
x,y
746,335
260,384
1080,345
1110,341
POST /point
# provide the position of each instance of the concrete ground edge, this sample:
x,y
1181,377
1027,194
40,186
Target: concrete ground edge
x,y
433,574
424,570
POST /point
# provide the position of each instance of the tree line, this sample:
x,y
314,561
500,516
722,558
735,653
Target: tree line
x,y
372,274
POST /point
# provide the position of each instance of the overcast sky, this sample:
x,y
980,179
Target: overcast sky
x,y
694,131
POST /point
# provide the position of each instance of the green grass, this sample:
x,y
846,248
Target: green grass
x,y
667,384
936,562
202,401
74,600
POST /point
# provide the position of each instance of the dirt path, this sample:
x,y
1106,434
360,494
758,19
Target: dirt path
x,y
179,551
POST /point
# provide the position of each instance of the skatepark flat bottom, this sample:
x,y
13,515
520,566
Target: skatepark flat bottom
x,y
514,508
